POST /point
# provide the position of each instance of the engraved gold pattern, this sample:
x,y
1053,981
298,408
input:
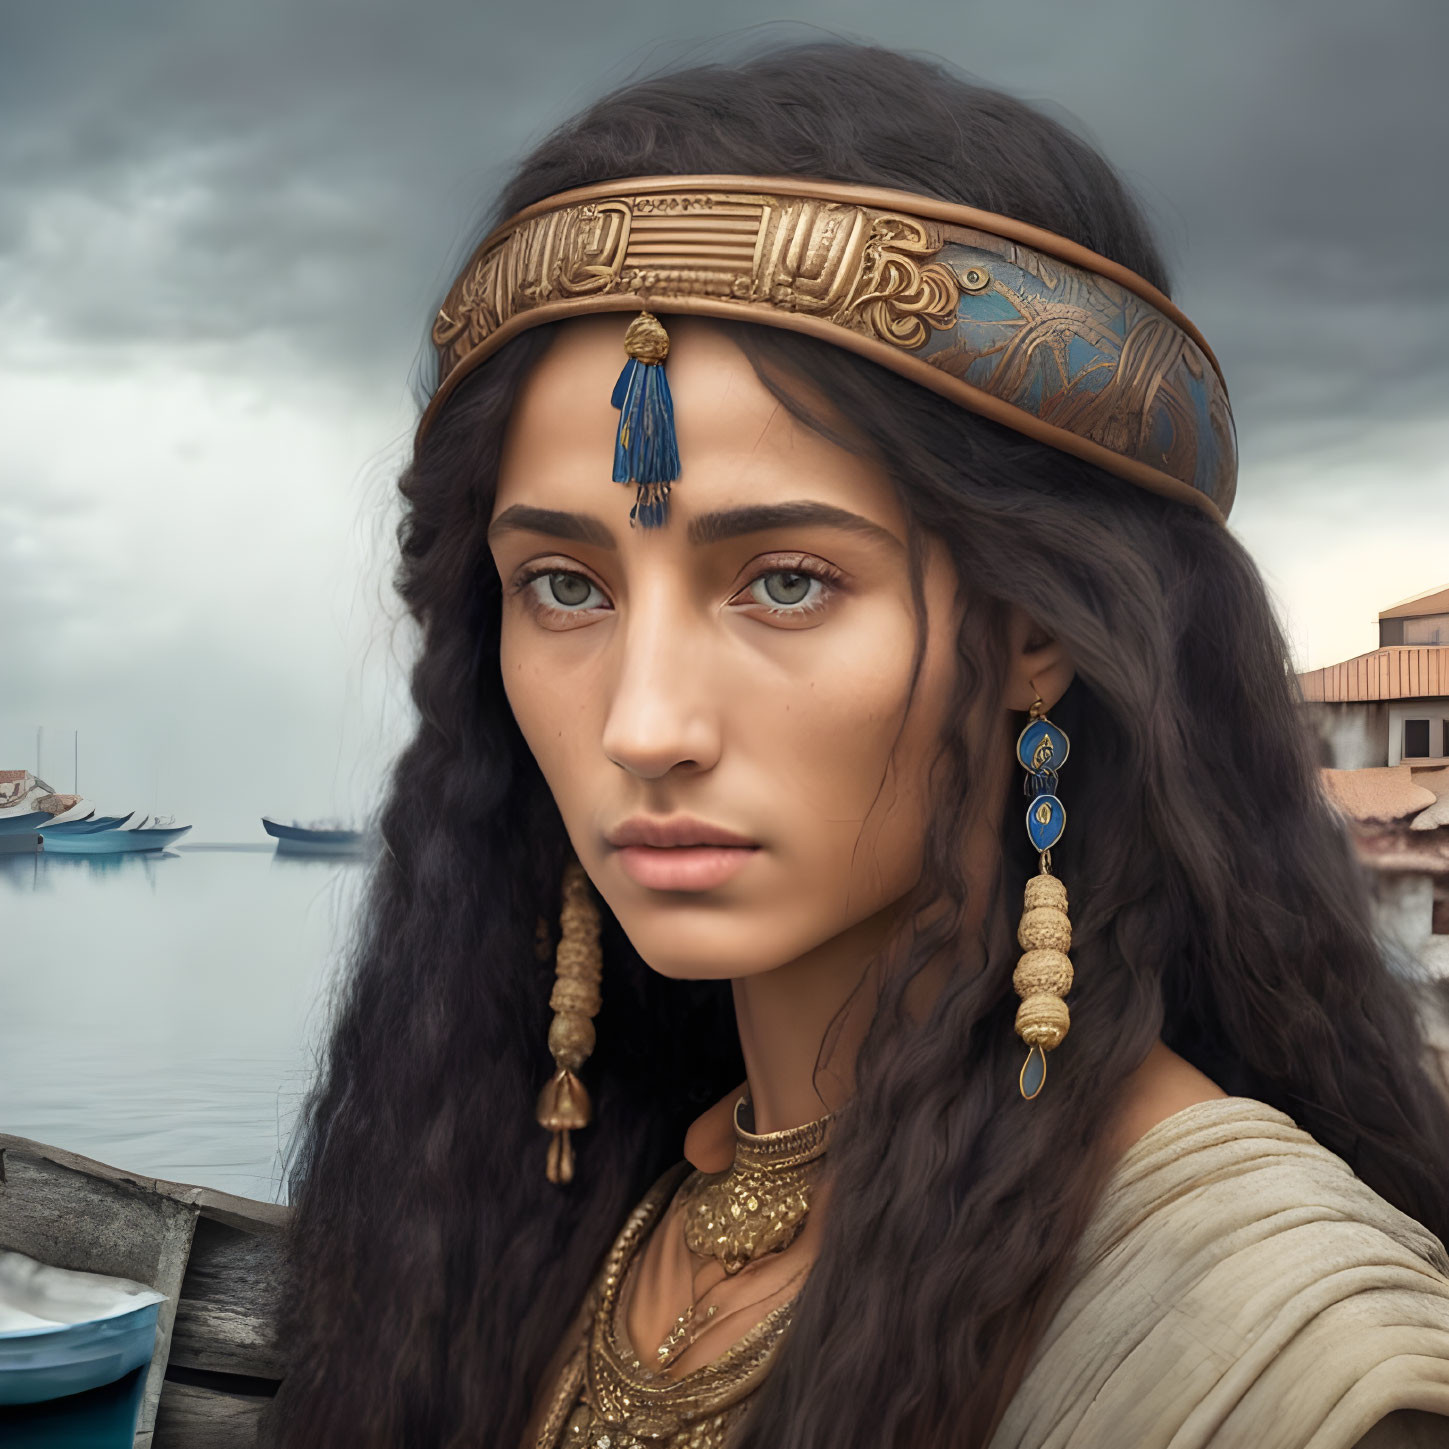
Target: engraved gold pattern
x,y
606,1399
869,271
757,1205
563,1105
1028,329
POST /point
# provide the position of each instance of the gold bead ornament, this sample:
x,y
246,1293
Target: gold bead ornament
x,y
563,1105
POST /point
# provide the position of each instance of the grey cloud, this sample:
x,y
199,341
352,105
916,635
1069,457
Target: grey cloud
x,y
275,192
193,175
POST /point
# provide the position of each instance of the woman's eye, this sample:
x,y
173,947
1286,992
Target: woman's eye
x,y
788,591
569,592
786,588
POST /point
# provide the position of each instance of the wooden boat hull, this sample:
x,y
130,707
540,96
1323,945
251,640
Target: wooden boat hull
x,y
219,1259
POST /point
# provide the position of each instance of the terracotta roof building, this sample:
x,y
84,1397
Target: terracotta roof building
x,y
1424,619
1391,704
1383,719
1400,671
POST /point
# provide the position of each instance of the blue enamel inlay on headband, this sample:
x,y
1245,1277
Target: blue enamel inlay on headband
x,y
1066,346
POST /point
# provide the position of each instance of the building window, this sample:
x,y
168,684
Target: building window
x,y
1429,629
1416,738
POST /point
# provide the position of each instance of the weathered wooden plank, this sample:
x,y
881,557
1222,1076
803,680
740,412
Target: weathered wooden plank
x,y
193,1417
74,1218
226,1319
225,1207
76,1212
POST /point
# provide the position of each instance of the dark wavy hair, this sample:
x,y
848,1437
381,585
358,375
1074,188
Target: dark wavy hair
x,y
1215,899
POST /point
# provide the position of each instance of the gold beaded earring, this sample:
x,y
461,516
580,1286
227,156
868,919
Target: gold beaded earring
x,y
563,1106
1043,976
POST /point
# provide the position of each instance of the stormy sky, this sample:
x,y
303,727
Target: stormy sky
x,y
224,226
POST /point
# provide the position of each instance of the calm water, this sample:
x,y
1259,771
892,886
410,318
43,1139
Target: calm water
x,y
162,1012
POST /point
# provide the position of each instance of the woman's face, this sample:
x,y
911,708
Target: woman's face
x,y
722,707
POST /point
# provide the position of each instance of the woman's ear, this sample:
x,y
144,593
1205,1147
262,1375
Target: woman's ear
x,y
1037,665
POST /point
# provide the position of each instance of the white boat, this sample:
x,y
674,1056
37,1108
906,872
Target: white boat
x,y
26,803
116,840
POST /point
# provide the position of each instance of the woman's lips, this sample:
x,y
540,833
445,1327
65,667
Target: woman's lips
x,y
683,867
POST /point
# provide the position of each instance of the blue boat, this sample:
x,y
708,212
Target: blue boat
x,y
314,839
17,830
18,822
73,1350
116,840
88,826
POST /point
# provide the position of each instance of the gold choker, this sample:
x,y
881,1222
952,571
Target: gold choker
x,y
758,1204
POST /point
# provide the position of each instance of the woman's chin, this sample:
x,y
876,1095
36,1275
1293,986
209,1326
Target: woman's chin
x,y
709,950
686,966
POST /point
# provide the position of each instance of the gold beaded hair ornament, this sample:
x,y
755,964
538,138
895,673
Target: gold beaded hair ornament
x,y
1014,323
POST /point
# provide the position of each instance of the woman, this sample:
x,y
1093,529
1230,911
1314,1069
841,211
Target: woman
x,y
927,479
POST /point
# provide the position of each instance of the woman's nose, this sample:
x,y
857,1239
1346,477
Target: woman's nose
x,y
662,713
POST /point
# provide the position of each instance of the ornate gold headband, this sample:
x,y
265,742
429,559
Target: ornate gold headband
x,y
1015,323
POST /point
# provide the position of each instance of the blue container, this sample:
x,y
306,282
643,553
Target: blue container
x,y
68,1358
72,1384
103,1418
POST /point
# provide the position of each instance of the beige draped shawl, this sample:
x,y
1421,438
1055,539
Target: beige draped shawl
x,y
1240,1288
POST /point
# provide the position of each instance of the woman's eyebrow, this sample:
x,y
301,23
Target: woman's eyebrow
x,y
758,518
576,527
706,529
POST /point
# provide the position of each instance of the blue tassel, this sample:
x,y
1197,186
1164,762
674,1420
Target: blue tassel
x,y
646,452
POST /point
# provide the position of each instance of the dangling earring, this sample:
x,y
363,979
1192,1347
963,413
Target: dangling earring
x,y
563,1106
1044,974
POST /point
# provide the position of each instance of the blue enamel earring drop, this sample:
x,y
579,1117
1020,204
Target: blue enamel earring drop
x,y
1043,976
